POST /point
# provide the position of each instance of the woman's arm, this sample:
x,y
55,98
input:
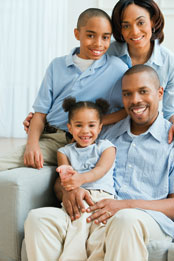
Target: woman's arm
x,y
114,117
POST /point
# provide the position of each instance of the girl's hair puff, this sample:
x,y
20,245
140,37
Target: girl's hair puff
x,y
70,105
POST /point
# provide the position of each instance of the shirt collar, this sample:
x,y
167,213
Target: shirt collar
x,y
96,64
155,58
157,129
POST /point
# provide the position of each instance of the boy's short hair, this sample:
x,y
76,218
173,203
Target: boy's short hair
x,y
89,13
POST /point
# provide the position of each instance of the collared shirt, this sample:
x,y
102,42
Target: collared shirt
x,y
85,159
63,79
144,165
162,60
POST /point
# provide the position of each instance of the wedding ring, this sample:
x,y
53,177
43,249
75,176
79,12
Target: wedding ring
x,y
109,213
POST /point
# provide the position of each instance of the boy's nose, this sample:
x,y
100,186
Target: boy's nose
x,y
98,42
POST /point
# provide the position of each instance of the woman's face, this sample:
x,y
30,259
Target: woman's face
x,y
137,27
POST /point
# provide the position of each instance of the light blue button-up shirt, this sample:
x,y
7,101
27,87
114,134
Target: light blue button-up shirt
x,y
85,159
144,165
162,60
63,79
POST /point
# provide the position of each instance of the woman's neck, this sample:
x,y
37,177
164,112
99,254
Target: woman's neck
x,y
141,55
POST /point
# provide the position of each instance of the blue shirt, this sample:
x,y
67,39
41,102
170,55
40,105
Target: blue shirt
x,y
64,79
144,165
162,60
85,159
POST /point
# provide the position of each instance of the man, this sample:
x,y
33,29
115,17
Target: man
x,y
144,183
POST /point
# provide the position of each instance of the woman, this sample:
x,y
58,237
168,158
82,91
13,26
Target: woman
x,y
138,31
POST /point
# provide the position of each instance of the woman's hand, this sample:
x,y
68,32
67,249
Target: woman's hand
x,y
171,134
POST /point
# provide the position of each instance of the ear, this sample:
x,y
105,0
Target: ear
x,y
160,93
100,127
76,33
69,127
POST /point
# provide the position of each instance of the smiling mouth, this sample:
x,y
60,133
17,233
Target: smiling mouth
x,y
97,52
85,138
137,39
139,110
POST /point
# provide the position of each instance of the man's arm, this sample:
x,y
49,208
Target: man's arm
x,y
33,156
112,206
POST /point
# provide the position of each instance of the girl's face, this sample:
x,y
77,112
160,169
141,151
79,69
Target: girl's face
x,y
137,27
85,126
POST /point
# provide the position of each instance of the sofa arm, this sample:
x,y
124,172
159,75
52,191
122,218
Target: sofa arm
x,y
21,189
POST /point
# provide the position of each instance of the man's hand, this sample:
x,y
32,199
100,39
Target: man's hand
x,y
33,156
27,120
104,209
73,202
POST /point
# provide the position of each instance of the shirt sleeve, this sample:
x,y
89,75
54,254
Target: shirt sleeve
x,y
168,98
105,144
44,99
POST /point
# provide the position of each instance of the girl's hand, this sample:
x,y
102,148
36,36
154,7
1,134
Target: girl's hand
x,y
72,182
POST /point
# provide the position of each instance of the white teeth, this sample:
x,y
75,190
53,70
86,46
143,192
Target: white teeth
x,y
137,39
97,52
139,110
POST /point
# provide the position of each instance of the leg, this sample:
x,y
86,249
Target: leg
x,y
75,242
49,143
127,234
45,232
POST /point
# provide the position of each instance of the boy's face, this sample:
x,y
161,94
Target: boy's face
x,y
94,38
85,126
141,95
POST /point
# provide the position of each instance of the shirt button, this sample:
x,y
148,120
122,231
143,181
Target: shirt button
x,y
130,166
134,144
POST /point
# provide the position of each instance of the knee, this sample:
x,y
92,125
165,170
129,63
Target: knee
x,y
126,220
33,220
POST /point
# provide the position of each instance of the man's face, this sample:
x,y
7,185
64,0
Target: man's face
x,y
141,95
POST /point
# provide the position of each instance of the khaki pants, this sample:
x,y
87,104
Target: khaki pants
x,y
124,237
49,143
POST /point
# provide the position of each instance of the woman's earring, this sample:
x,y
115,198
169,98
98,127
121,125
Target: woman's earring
x,y
153,30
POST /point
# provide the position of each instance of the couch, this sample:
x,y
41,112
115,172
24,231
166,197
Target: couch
x,y
23,189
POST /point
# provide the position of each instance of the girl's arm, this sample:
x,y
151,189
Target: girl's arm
x,y
114,117
102,167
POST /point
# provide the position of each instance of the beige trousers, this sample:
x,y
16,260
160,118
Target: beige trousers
x,y
73,241
123,238
49,143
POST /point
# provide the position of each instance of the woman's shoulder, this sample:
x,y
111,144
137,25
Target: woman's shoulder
x,y
117,48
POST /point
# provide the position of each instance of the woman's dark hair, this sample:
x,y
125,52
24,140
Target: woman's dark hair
x,y
70,105
155,15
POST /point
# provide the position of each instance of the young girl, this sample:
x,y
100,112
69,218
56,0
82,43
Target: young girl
x,y
88,163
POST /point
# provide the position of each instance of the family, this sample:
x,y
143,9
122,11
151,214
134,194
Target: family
x,y
115,155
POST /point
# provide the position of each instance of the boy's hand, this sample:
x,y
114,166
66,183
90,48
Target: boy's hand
x,y
27,120
33,157
73,202
72,182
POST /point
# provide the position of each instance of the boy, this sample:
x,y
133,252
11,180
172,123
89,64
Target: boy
x,y
87,73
